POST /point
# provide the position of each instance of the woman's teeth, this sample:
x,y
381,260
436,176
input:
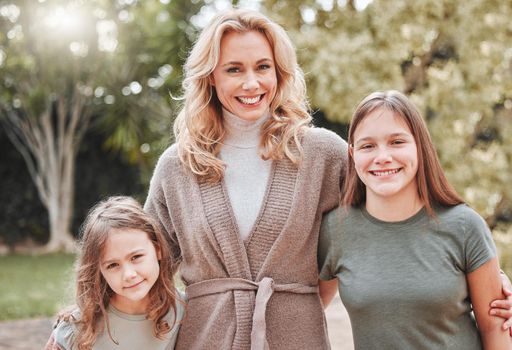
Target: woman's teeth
x,y
249,100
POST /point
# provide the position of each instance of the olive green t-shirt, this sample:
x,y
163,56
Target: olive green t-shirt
x,y
404,283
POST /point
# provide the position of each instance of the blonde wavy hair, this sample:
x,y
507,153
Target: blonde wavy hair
x,y
92,291
199,129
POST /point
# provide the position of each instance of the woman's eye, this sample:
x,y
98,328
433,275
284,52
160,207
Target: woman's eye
x,y
264,66
233,70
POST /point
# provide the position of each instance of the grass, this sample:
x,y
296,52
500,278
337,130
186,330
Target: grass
x,y
34,286
38,286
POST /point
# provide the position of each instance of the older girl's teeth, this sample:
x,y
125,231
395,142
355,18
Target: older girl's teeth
x,y
249,100
385,172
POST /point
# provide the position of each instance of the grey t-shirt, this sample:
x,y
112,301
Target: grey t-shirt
x,y
130,331
404,283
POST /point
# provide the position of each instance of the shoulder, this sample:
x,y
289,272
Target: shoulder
x,y
462,215
65,330
323,139
168,166
339,216
169,157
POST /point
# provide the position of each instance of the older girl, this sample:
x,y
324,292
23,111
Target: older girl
x,y
412,260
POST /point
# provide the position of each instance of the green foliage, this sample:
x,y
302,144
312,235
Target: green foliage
x,y
454,60
37,285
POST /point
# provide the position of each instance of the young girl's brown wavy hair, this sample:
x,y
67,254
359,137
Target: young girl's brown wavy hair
x,y
92,291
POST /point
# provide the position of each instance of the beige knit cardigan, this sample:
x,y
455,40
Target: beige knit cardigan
x,y
276,265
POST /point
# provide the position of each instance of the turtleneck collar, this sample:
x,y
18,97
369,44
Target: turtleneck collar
x,y
242,133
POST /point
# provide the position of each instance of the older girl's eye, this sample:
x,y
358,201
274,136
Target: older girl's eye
x,y
397,142
365,146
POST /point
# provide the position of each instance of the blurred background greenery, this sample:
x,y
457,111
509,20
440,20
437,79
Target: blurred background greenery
x,y
86,107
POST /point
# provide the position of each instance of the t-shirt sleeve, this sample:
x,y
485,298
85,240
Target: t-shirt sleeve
x,y
64,334
479,245
325,254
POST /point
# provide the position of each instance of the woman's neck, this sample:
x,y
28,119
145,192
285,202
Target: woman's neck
x,y
398,207
241,133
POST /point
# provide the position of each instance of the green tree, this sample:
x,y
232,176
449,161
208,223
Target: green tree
x,y
65,64
453,58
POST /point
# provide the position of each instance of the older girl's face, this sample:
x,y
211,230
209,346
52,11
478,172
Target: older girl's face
x,y
245,77
385,156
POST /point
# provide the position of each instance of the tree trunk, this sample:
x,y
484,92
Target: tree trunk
x,y
48,145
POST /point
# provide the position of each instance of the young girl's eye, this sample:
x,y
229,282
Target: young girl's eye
x,y
111,266
137,256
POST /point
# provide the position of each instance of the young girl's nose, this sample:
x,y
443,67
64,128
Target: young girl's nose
x,y
129,273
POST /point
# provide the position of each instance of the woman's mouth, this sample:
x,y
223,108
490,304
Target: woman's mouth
x,y
250,100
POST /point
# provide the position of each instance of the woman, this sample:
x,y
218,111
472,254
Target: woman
x,y
242,192
411,259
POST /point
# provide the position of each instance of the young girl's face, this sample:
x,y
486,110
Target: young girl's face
x,y
385,155
129,264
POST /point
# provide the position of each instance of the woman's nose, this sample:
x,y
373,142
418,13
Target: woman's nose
x,y
250,82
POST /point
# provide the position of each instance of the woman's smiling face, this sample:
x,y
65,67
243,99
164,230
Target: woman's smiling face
x,y
385,155
245,78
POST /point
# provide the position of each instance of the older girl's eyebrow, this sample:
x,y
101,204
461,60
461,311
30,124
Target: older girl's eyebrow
x,y
396,134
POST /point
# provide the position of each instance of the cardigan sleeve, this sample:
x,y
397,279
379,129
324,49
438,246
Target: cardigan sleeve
x,y
156,206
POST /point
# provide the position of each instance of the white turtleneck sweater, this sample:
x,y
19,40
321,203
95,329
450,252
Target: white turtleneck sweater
x,y
246,174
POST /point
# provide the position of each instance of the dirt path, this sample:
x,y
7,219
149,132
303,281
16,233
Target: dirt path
x,y
33,334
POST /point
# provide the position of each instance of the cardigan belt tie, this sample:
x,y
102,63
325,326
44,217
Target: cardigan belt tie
x,y
264,290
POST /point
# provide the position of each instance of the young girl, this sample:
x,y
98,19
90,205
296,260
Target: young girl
x,y
125,292
411,259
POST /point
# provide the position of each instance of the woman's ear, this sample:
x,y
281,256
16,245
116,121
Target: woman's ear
x,y
211,80
351,150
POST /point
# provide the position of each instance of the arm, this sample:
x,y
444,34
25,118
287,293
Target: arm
x,y
503,308
484,286
327,291
52,344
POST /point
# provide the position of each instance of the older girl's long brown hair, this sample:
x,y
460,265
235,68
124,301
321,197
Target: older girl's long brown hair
x,y
433,187
92,291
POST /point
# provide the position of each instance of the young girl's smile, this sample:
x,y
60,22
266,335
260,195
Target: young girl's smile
x,y
130,266
385,155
